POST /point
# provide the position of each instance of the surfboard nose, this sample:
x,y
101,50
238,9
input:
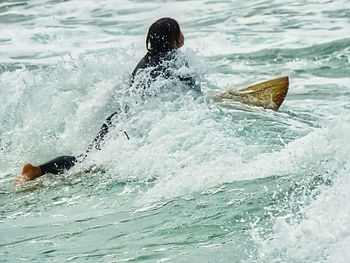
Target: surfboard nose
x,y
268,94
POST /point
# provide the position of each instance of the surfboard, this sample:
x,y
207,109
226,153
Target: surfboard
x,y
268,94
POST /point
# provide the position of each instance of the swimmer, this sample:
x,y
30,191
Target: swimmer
x,y
163,40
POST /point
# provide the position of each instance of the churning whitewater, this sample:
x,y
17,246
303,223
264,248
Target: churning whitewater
x,y
197,181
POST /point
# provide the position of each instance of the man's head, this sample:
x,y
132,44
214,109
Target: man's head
x,y
164,35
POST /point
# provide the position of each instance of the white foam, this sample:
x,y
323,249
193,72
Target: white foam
x,y
323,233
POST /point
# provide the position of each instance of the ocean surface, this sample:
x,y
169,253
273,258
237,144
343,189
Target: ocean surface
x,y
197,181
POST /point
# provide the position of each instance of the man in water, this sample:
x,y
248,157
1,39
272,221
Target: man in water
x,y
163,39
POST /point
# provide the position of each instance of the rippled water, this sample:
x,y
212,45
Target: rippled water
x,y
197,182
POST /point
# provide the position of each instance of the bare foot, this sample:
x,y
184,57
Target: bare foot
x,y
29,172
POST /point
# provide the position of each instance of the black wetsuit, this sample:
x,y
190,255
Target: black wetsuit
x,y
159,64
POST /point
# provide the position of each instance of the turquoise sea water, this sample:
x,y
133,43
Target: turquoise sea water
x,y
196,182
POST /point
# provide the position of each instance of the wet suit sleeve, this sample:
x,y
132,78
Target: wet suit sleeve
x,y
189,79
64,163
144,63
96,143
191,82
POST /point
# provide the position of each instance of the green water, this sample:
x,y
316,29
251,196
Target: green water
x,y
197,181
